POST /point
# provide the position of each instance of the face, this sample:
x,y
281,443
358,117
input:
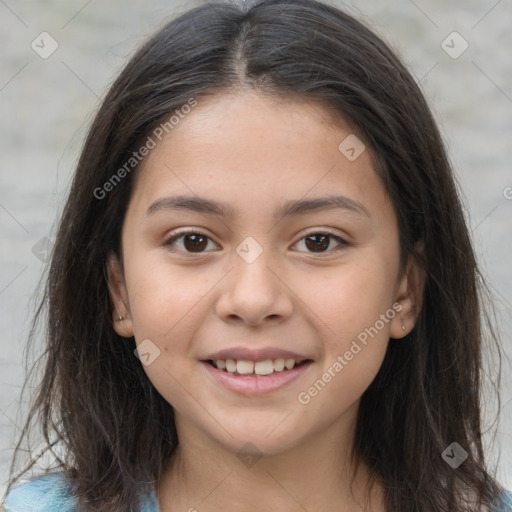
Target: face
x,y
233,254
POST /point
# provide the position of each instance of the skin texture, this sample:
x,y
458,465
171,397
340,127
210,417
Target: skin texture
x,y
254,153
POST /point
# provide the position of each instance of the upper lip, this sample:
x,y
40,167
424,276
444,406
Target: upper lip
x,y
247,354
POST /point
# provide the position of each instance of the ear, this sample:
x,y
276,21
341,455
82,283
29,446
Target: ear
x,y
409,296
118,298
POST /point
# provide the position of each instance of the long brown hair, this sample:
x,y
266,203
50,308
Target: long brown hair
x,y
94,398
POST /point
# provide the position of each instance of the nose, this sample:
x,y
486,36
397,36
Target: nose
x,y
255,292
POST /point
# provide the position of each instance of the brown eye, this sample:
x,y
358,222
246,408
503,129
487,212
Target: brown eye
x,y
192,242
320,242
195,242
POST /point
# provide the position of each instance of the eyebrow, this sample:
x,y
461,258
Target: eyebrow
x,y
287,209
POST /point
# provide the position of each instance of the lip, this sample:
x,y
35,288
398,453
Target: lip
x,y
246,354
256,385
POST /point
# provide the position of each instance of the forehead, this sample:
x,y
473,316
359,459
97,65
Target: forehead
x,y
248,149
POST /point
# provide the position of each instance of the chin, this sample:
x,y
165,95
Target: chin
x,y
262,439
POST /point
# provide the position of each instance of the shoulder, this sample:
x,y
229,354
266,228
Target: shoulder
x,y
506,502
47,493
52,493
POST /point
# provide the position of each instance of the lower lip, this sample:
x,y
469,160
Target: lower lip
x,y
256,385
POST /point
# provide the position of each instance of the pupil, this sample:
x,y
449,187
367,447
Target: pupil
x,y
323,244
196,243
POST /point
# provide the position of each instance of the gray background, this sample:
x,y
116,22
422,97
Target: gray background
x,y
46,105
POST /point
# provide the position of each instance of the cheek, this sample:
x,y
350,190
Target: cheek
x,y
352,358
348,305
165,299
350,298
166,306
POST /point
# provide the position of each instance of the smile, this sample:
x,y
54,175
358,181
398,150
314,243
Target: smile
x,y
244,367
255,378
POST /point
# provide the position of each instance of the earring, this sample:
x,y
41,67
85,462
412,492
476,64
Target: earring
x,y
120,317
403,326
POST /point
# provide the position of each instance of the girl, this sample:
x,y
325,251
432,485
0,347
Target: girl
x,y
263,293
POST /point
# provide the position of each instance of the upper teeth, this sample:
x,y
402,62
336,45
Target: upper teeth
x,y
259,368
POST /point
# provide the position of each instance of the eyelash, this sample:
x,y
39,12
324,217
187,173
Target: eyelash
x,y
181,234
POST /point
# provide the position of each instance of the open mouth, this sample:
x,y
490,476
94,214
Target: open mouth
x,y
256,368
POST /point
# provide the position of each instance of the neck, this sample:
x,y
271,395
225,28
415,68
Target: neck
x,y
205,476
